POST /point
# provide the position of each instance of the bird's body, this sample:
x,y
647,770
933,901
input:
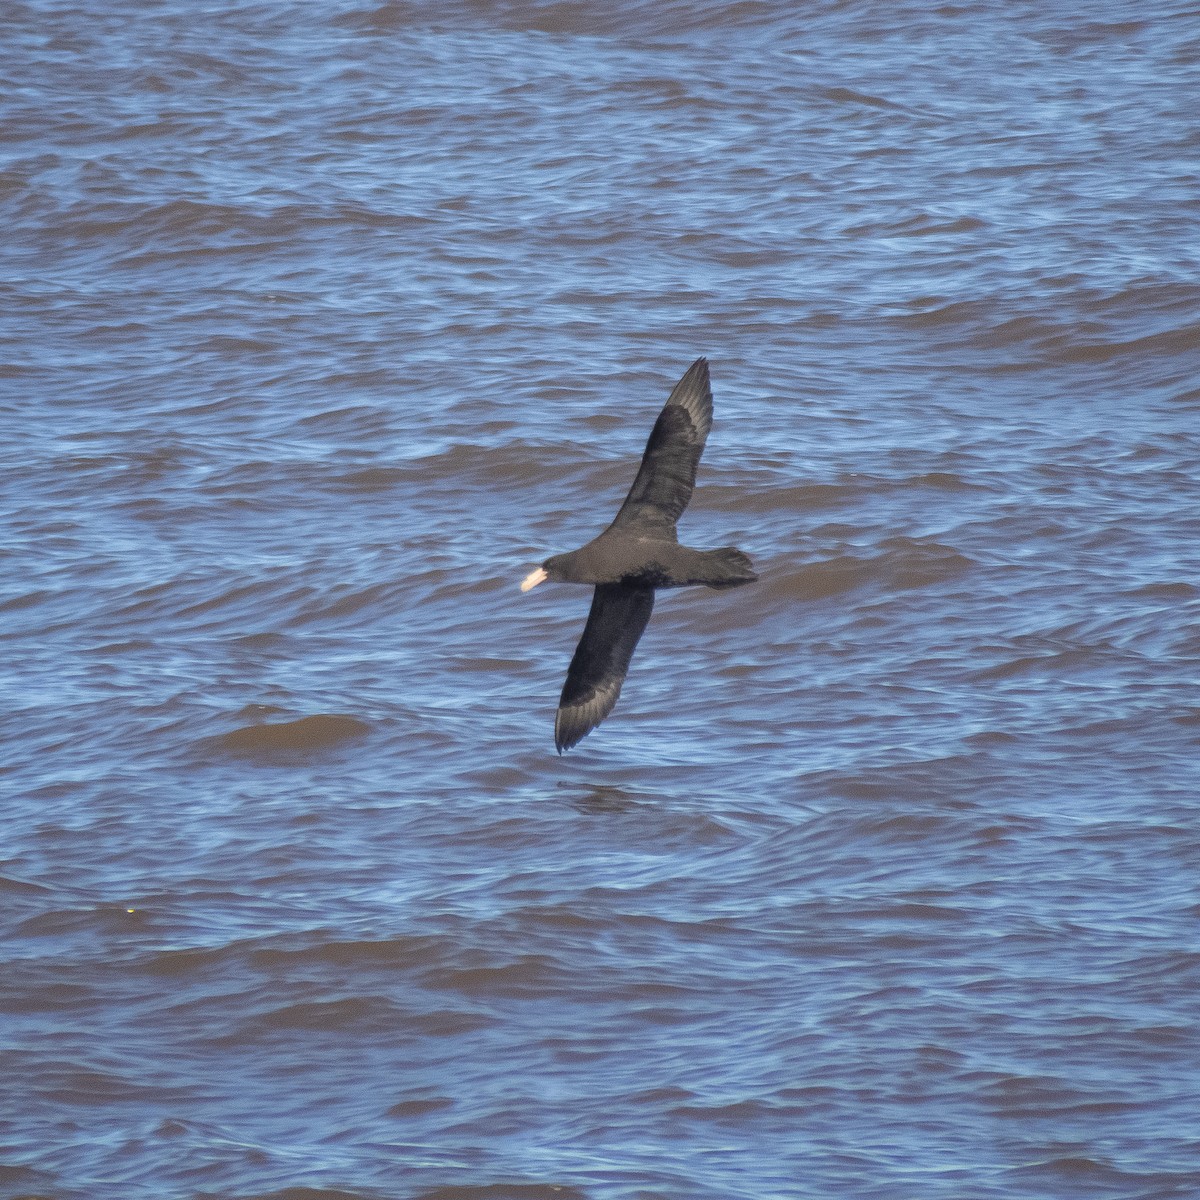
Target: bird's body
x,y
652,562
636,554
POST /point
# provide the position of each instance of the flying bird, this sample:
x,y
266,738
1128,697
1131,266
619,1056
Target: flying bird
x,y
636,554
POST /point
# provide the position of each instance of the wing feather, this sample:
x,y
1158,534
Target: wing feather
x,y
665,479
617,619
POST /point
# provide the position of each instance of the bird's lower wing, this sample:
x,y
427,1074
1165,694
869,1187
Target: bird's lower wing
x,y
664,481
618,617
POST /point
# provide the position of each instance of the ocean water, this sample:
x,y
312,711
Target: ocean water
x,y
321,325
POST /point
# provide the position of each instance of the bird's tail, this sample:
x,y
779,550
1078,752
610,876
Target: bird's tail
x,y
726,568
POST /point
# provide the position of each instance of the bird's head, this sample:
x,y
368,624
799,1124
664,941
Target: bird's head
x,y
557,569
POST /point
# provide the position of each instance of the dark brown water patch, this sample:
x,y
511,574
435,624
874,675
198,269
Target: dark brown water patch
x,y
912,563
261,641
504,1191
26,600
845,95
821,580
13,1177
927,224
801,498
373,479
1073,1168
991,737
529,975
352,956
1073,350
193,960
348,1013
662,1096
486,665
305,735
736,1112
102,1088
923,912
55,997
1065,661
294,1193
1175,590
942,480
419,1108
12,886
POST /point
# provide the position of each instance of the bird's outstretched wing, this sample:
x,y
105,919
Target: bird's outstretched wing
x,y
667,475
618,617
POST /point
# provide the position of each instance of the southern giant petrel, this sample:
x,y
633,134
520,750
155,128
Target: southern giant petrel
x,y
637,553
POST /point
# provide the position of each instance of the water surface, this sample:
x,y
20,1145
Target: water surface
x,y
321,325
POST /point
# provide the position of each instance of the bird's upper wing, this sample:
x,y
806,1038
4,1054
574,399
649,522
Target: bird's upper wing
x,y
618,617
667,475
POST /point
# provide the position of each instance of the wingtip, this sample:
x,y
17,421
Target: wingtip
x,y
693,393
695,377
567,734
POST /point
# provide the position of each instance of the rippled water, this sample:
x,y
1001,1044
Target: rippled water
x,y
321,324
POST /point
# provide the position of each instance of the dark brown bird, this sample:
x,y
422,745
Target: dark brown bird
x,y
637,553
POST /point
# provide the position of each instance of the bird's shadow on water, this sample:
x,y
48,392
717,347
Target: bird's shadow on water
x,y
599,799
